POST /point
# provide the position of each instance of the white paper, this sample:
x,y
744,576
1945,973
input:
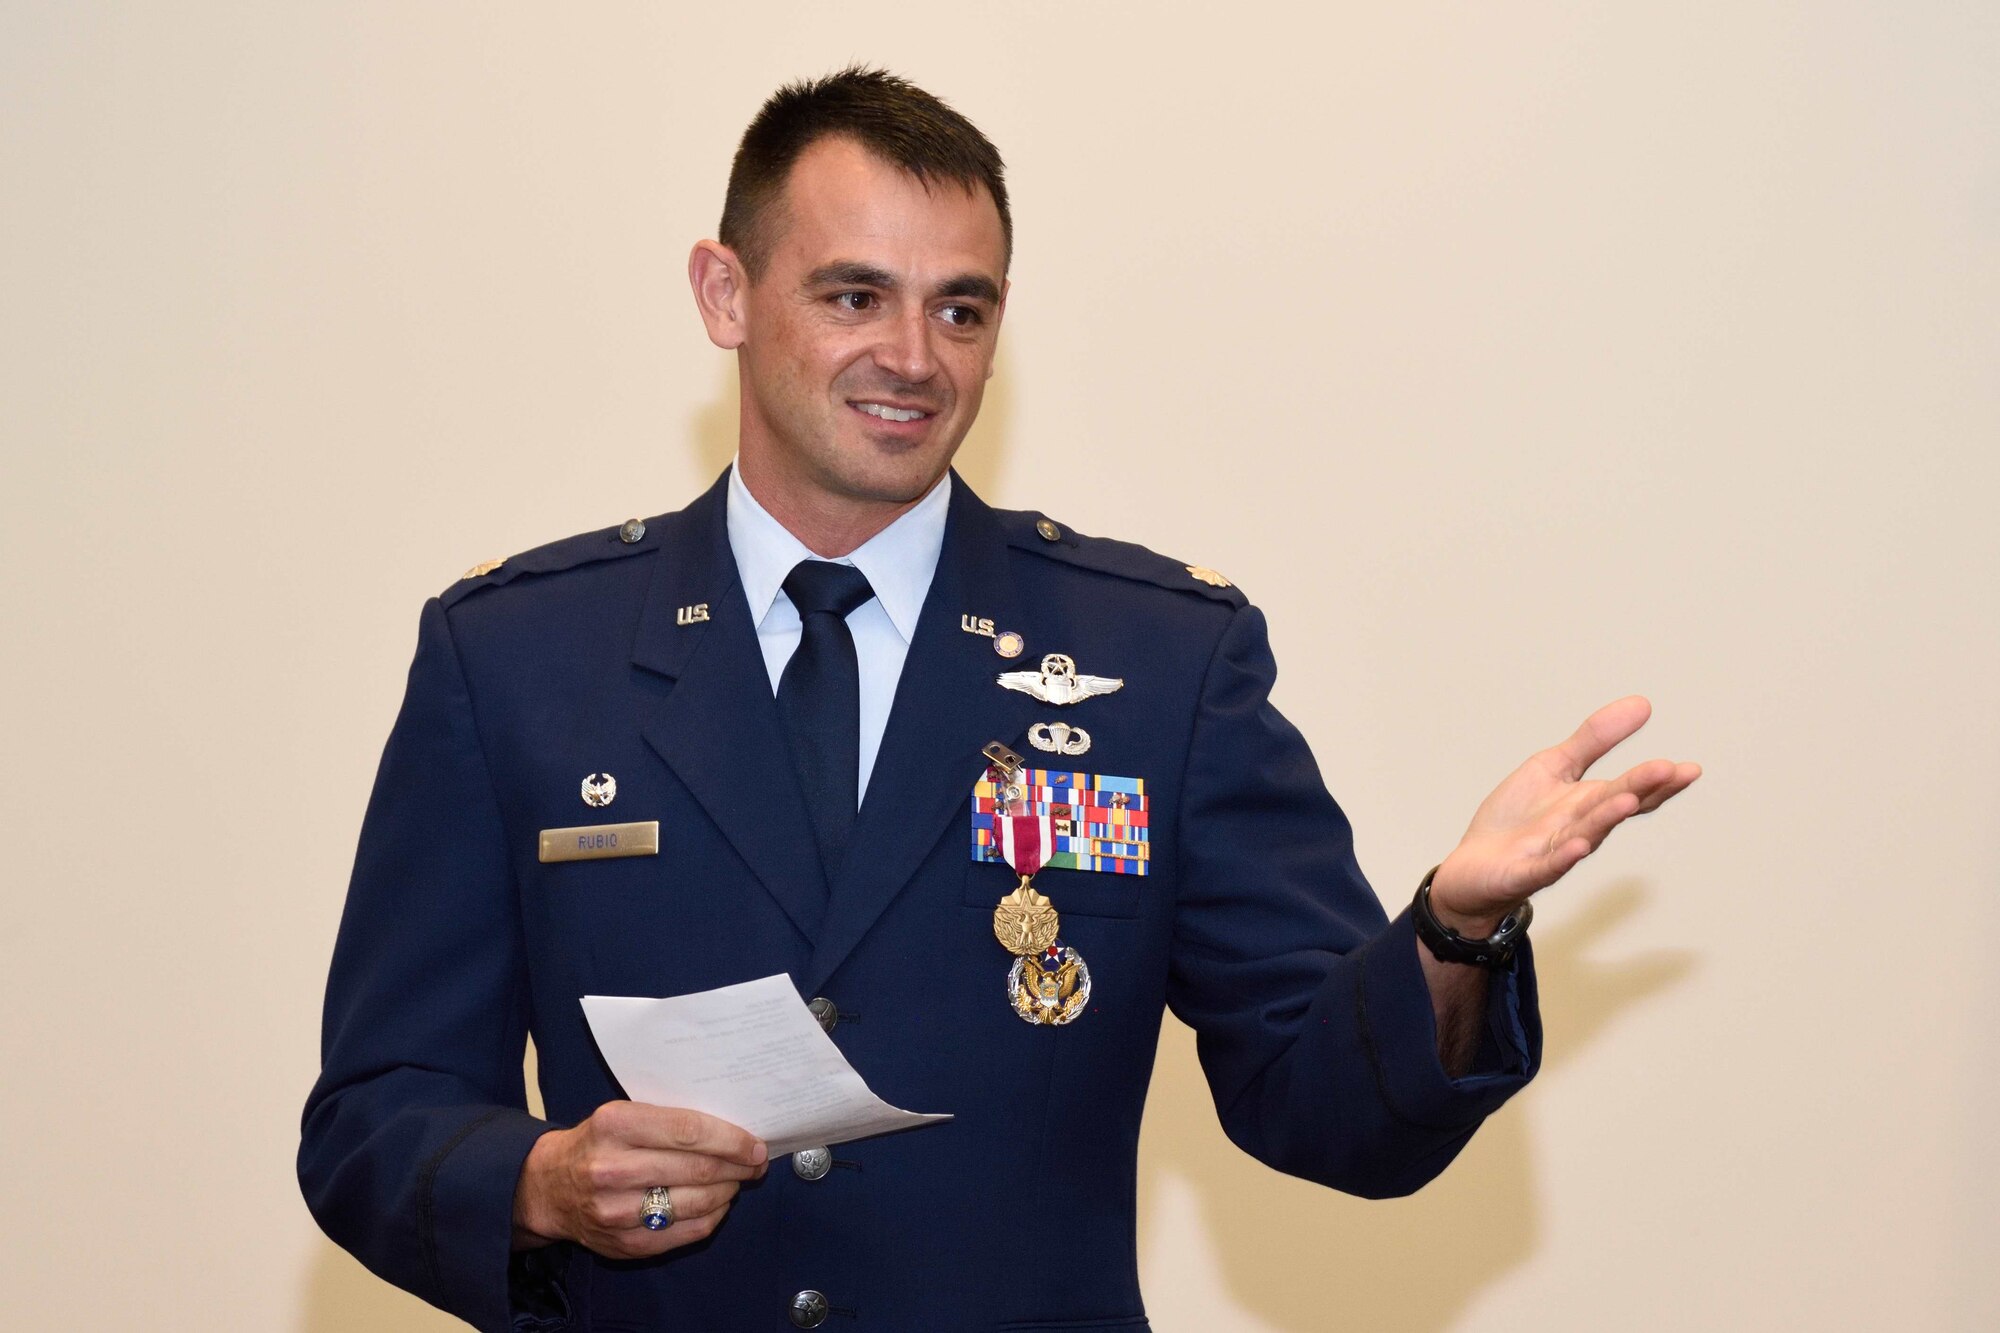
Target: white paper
x,y
751,1054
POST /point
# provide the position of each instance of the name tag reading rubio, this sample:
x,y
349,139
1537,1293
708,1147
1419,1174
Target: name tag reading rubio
x,y
595,842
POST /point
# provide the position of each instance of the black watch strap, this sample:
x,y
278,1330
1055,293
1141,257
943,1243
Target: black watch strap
x,y
1448,946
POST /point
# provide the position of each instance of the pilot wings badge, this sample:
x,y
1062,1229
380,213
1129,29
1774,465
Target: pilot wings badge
x,y
1059,682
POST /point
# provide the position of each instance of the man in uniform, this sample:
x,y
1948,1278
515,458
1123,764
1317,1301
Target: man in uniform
x,y
993,793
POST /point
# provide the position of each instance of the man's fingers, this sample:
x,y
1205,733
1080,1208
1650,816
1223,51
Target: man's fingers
x,y
1607,814
628,1168
1589,821
635,1242
679,1129
1601,731
1679,781
622,1210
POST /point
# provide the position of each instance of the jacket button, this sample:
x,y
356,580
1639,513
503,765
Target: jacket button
x,y
1050,532
825,1010
812,1163
808,1309
631,530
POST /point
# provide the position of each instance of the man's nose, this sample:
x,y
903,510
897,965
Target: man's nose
x,y
905,349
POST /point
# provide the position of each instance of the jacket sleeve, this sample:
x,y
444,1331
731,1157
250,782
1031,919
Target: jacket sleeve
x,y
1312,1015
414,1136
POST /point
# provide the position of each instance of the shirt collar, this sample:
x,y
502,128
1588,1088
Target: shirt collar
x,y
899,561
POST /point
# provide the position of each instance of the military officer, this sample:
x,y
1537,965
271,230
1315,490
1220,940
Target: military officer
x,y
838,718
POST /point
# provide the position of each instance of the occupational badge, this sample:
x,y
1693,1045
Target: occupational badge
x,y
599,790
1059,682
1051,987
1048,983
1059,738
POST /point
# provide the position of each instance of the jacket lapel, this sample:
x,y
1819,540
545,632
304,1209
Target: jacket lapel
x,y
718,726
947,707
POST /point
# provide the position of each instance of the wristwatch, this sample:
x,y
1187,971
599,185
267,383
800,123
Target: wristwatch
x,y
1448,946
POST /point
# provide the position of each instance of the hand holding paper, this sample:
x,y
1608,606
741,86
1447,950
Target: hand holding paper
x,y
751,1054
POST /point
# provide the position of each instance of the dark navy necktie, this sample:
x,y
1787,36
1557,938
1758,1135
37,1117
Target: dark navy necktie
x,y
819,700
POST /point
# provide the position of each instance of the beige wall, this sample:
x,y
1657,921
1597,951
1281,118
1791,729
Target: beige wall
x,y
1512,356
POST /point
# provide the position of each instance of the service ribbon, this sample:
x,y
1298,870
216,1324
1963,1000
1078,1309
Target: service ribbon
x,y
1025,841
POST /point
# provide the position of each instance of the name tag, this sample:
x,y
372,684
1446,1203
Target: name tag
x,y
595,842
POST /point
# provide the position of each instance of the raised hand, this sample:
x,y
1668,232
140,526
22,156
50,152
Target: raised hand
x,y
588,1184
1546,817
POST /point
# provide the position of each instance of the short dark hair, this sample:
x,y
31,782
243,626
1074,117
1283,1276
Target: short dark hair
x,y
889,116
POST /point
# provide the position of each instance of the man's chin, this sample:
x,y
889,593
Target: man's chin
x,y
894,476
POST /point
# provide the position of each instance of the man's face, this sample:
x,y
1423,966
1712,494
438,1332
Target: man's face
x,y
868,340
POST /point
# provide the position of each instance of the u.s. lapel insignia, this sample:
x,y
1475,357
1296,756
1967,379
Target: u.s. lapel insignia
x,y
1006,642
1059,738
1059,682
691,615
599,790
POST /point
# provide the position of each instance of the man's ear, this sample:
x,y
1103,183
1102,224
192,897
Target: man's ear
x,y
720,285
1006,286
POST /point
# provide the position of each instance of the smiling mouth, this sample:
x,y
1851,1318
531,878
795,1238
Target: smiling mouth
x,y
888,413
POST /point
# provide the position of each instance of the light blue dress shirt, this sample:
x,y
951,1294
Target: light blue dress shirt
x,y
899,562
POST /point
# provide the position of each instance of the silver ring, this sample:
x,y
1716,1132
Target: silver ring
x,y
658,1212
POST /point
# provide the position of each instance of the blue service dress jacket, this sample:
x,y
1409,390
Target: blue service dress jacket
x,y
1254,925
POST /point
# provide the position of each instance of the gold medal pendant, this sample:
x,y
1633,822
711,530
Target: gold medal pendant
x,y
1024,921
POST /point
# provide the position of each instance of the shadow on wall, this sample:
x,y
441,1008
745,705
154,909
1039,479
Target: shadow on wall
x,y
340,1296
1302,1258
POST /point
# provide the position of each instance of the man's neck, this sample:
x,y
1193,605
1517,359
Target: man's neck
x,y
829,526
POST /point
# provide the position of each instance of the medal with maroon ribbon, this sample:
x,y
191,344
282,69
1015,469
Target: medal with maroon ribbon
x,y
1048,983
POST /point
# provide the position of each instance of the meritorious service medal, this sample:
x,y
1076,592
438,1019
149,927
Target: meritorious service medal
x,y
1048,983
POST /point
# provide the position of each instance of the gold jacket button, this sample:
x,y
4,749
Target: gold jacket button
x,y
631,531
1050,532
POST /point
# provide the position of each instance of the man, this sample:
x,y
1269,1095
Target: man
x,y
840,623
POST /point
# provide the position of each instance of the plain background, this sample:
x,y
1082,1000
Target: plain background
x,y
1513,357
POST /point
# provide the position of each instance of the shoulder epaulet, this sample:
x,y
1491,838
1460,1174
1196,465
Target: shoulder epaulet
x,y
628,538
1030,531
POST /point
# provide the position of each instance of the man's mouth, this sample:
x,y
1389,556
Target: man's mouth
x,y
889,413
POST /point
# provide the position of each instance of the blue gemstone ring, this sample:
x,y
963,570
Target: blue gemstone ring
x,y
658,1212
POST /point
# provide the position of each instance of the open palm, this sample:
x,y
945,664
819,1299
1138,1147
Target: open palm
x,y
1546,817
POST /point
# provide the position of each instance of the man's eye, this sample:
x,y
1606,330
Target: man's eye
x,y
856,301
962,315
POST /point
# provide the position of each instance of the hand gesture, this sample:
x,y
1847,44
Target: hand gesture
x,y
1546,817
588,1184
